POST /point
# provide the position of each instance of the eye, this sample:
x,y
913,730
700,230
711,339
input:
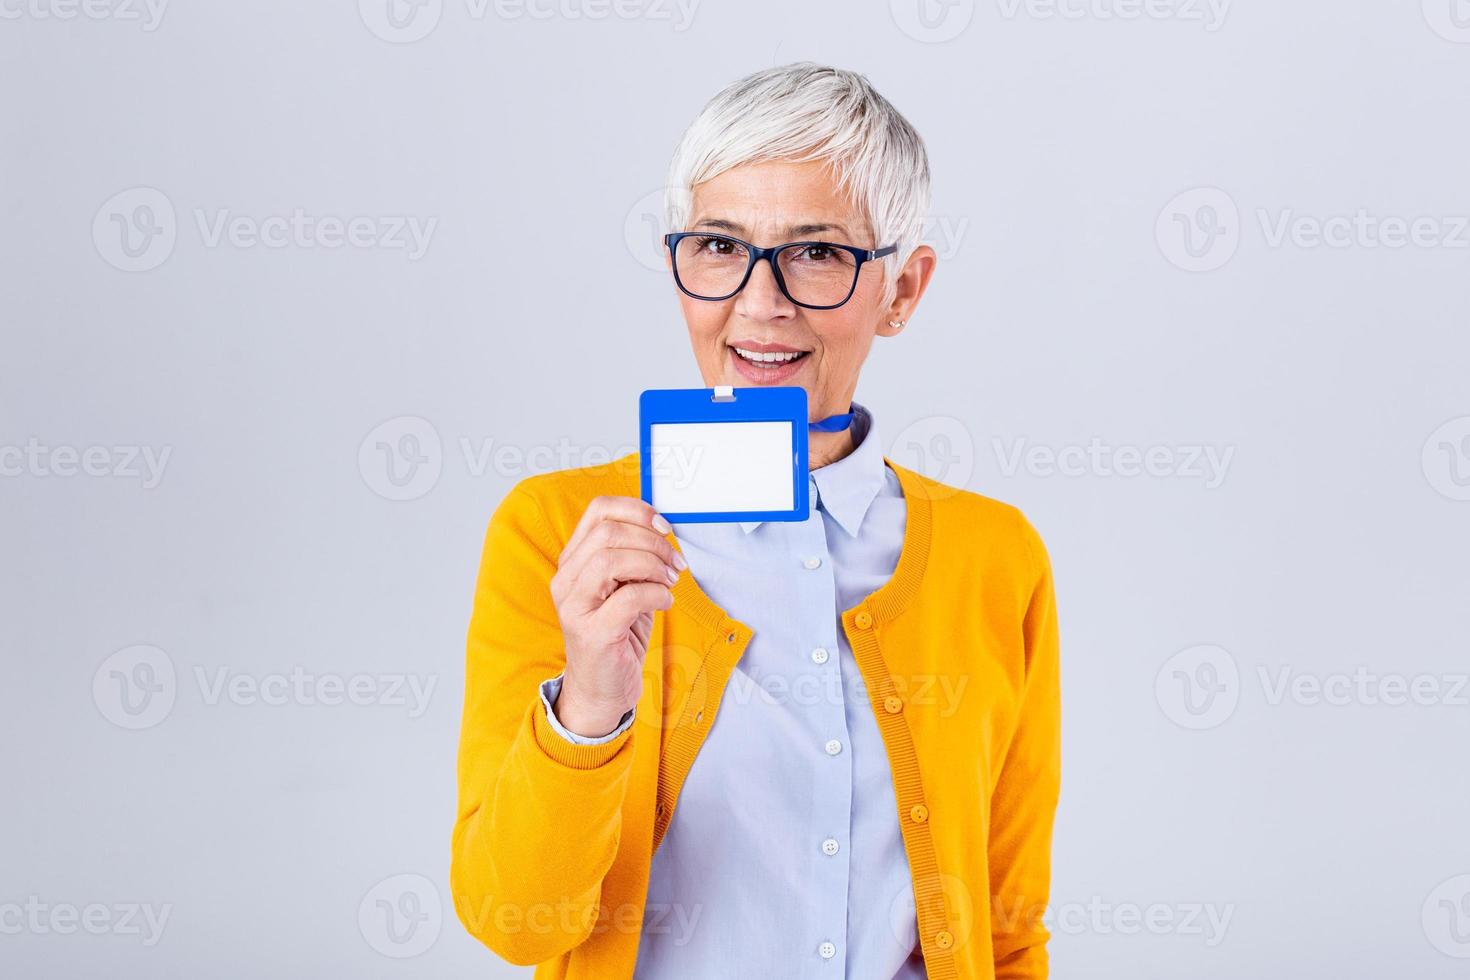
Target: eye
x,y
817,253
717,246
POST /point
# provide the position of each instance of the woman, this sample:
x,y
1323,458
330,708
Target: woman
x,y
813,749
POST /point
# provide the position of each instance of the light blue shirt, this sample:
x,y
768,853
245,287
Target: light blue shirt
x,y
784,857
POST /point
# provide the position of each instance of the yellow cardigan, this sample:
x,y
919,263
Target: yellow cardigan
x,y
553,841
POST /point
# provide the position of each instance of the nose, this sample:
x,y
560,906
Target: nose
x,y
762,299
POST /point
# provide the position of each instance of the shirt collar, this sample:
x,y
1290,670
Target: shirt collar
x,y
846,488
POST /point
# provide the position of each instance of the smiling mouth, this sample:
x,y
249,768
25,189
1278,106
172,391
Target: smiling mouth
x,y
769,360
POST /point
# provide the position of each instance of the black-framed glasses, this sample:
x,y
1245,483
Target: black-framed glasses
x,y
814,275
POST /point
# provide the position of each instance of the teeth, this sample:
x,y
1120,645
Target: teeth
x,y
776,357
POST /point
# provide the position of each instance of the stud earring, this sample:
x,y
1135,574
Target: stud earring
x,y
897,324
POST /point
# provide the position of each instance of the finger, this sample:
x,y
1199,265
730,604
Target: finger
x,y
643,628
605,571
630,601
608,536
618,534
629,510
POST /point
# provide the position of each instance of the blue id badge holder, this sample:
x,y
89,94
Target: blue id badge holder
x,y
724,454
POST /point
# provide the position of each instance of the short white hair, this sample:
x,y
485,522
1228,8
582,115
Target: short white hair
x,y
806,112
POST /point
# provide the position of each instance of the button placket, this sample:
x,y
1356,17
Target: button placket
x,y
827,718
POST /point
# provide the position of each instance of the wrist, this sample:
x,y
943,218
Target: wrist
x,y
587,719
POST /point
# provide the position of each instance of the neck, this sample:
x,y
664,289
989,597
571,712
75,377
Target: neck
x,y
828,447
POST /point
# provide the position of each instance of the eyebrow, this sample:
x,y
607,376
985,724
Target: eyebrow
x,y
794,231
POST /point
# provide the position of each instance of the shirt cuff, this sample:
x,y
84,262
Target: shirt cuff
x,y
549,691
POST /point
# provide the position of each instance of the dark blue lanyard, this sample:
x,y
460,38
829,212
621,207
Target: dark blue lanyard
x,y
833,423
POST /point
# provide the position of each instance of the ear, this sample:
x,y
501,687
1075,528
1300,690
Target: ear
x,y
912,280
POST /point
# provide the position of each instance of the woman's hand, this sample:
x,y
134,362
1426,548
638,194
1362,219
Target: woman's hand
x,y
613,574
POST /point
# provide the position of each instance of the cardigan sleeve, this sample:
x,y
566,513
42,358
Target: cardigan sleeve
x,y
551,690
539,818
1024,802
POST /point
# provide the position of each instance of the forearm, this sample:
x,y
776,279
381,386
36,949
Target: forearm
x,y
529,859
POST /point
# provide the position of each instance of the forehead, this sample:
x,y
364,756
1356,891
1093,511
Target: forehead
x,y
775,197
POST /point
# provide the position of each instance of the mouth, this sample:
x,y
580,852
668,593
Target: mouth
x,y
766,364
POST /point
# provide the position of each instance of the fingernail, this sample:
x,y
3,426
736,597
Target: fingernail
x,y
660,525
679,562
673,576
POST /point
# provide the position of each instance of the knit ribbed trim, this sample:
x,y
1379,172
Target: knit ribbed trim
x,y
863,623
570,754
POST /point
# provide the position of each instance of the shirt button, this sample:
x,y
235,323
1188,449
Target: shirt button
x,y
943,939
893,704
833,747
819,655
830,846
811,563
918,813
827,951
863,620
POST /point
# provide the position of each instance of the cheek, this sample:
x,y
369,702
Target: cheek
x,y
843,336
706,323
703,319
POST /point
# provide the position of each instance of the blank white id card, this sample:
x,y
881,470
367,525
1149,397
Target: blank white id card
x,y
711,455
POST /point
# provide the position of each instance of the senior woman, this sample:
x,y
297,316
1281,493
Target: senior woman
x,y
821,749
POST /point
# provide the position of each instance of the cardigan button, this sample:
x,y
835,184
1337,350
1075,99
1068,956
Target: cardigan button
x,y
943,939
864,620
893,704
730,637
918,813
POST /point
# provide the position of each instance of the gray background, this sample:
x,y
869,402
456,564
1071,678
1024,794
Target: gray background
x,y
1067,312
